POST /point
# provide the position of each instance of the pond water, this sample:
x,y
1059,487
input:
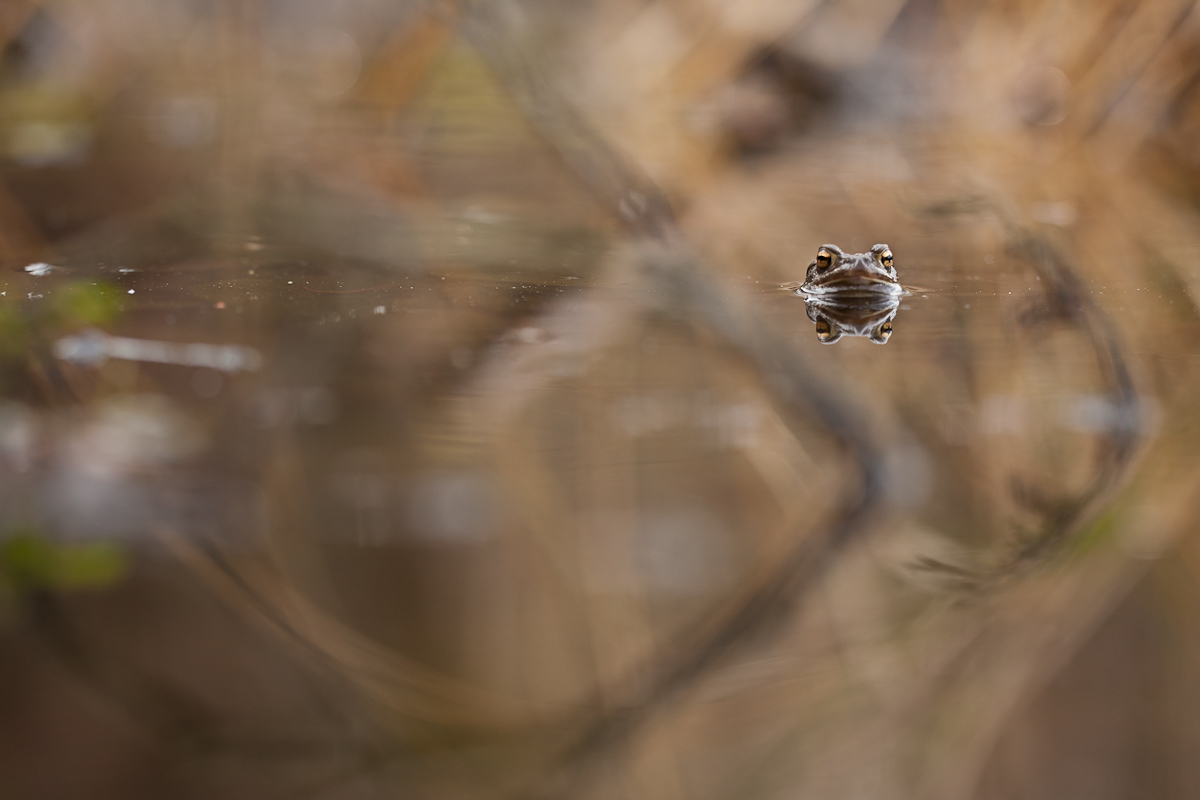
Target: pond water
x,y
437,449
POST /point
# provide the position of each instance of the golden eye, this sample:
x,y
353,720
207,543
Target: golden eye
x,y
824,331
882,333
886,258
824,258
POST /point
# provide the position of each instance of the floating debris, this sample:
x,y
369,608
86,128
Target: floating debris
x,y
39,269
92,348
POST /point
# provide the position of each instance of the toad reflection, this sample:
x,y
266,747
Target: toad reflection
x,y
851,294
838,317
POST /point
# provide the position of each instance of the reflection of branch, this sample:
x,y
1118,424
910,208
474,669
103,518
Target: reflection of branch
x,y
675,281
764,608
1074,303
1066,300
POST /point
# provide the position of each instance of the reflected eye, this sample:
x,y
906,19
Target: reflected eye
x,y
824,331
886,258
824,258
881,334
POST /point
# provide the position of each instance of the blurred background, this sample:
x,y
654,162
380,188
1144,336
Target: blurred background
x,y
397,399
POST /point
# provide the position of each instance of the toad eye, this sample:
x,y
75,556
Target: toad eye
x,y
824,259
886,258
824,330
886,329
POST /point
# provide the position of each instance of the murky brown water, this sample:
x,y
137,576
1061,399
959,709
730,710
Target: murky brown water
x,y
373,427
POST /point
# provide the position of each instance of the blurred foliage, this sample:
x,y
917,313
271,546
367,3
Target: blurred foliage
x,y
29,561
88,303
74,305
1099,533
